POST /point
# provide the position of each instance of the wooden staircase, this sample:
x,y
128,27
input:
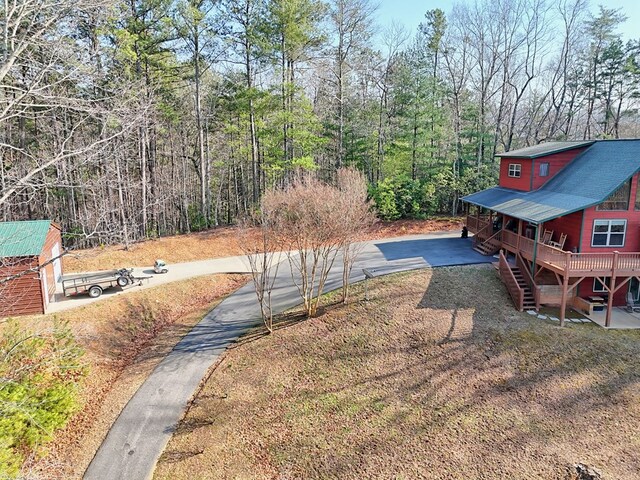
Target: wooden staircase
x,y
519,283
488,246
528,299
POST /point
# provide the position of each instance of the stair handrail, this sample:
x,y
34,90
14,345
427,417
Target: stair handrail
x,y
535,288
478,236
497,235
514,289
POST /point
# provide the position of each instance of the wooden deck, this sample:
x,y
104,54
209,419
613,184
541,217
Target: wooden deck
x,y
566,263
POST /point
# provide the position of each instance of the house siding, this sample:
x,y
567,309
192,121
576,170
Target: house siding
x,y
632,237
53,238
585,289
524,182
571,225
530,178
556,162
22,295
631,243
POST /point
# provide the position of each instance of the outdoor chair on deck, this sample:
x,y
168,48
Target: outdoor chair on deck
x,y
546,237
560,243
632,305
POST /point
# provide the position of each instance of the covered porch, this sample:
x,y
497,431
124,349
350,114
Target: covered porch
x,y
621,319
554,273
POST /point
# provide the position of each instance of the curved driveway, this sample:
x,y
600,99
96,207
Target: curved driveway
x,y
139,435
177,272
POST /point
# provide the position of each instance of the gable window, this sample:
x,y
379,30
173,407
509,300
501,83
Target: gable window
x,y
608,233
544,169
618,200
515,170
598,287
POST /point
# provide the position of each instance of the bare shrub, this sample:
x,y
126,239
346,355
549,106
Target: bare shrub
x,y
261,245
357,216
305,217
316,221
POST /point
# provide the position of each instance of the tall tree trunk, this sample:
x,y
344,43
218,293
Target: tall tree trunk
x,y
204,206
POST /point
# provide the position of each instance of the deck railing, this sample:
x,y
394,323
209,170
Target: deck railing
x,y
521,264
629,261
514,289
494,240
551,255
475,224
562,261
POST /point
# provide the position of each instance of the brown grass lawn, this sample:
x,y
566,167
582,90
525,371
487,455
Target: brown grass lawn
x,y
216,243
436,377
124,337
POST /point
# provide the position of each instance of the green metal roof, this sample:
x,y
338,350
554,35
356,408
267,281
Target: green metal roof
x,y
23,239
535,207
544,149
589,179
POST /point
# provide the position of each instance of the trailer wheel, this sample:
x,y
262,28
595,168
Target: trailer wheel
x,y
95,291
123,281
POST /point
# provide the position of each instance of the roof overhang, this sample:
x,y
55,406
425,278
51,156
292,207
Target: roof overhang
x,y
544,149
534,207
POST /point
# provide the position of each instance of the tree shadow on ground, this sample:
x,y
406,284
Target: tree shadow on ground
x,y
437,377
524,381
283,321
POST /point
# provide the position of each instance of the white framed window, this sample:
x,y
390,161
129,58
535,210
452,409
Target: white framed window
x,y
544,169
515,170
609,233
598,287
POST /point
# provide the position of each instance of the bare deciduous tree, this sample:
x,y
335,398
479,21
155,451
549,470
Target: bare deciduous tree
x,y
261,245
357,217
315,222
306,218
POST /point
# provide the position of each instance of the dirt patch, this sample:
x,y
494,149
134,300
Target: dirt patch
x,y
217,243
435,377
124,338
413,227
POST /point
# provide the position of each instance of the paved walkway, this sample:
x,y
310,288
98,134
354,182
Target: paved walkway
x,y
139,435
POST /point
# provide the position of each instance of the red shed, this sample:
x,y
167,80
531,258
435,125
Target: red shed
x,y
30,266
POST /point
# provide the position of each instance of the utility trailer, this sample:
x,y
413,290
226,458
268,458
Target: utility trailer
x,y
95,283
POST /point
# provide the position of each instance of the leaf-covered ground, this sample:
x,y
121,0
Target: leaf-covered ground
x,y
436,377
124,338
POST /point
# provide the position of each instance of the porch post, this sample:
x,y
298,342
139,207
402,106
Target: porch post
x,y
519,235
612,289
535,250
565,293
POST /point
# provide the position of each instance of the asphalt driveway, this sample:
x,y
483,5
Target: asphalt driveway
x,y
436,252
139,435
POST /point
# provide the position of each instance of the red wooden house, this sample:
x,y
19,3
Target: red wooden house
x,y
569,214
30,266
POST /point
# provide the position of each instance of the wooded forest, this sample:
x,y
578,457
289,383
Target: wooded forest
x,y
137,118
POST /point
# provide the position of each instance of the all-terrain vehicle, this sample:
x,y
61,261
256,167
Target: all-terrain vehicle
x,y
160,266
